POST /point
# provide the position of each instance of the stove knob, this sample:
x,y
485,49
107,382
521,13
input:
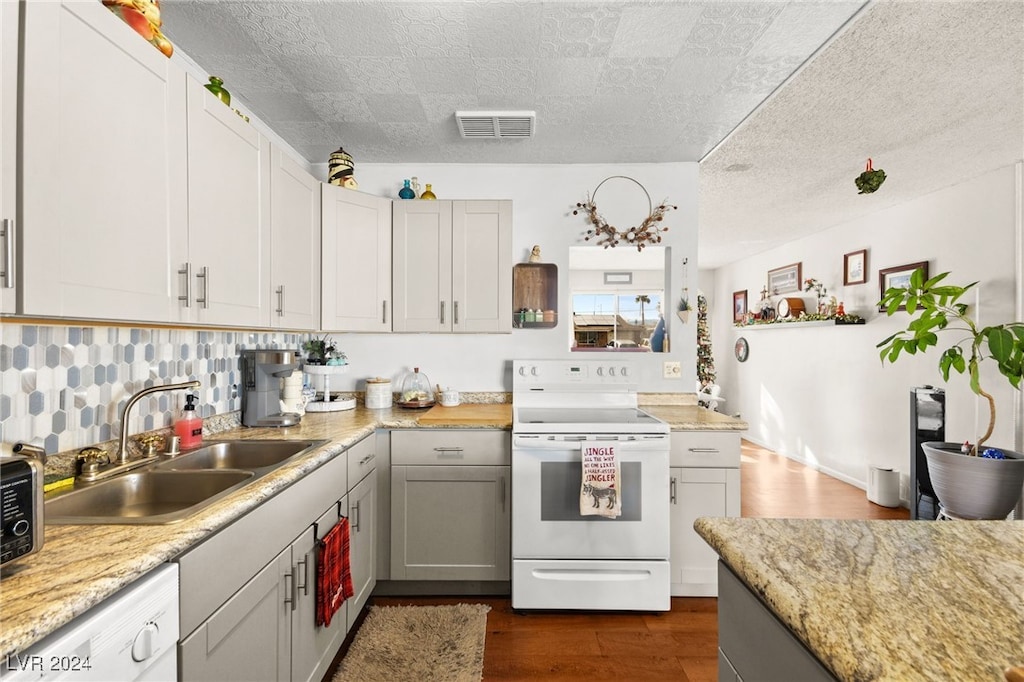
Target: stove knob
x,y
611,371
533,371
624,371
600,371
522,370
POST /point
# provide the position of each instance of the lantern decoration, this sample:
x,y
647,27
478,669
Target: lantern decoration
x,y
340,169
870,180
144,18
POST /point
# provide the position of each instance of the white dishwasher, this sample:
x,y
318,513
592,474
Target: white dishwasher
x,y
130,636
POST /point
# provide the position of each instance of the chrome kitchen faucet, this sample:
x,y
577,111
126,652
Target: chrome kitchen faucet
x,y
91,466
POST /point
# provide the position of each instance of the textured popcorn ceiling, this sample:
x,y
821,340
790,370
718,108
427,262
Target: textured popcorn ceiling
x,y
928,89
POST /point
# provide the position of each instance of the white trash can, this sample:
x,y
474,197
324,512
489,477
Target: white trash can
x,y
884,487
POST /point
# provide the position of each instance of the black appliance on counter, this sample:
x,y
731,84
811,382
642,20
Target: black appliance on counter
x,y
927,423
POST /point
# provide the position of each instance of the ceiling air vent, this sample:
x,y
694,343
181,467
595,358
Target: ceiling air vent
x,y
496,124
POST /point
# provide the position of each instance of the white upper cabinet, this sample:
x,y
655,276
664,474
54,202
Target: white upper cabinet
x,y
294,244
452,266
9,17
103,175
228,215
356,233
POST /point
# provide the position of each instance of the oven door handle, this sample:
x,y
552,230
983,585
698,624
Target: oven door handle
x,y
538,443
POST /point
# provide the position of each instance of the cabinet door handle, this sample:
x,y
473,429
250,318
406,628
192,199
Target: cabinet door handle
x,y
703,449
448,452
503,493
455,312
384,312
305,576
290,590
7,231
442,312
186,299
280,301
672,490
204,275
366,459
356,514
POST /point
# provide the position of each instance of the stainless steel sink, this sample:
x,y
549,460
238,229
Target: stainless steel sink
x,y
174,489
147,497
241,454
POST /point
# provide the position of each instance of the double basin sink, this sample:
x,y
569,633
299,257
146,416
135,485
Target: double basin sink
x,y
175,488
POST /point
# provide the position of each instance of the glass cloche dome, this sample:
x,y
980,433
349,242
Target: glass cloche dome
x,y
416,390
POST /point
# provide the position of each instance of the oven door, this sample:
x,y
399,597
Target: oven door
x,y
546,481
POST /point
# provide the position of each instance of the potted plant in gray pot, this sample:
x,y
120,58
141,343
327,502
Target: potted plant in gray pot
x,y
981,483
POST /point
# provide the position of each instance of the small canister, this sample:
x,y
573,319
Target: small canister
x,y
378,393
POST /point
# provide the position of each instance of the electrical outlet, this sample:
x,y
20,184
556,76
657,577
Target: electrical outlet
x,y
673,370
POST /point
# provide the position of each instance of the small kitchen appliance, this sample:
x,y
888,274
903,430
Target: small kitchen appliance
x,y
562,558
21,502
262,371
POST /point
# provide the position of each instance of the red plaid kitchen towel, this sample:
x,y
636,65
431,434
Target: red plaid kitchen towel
x,y
333,573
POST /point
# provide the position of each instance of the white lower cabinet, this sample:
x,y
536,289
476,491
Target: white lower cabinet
x,y
704,481
248,594
450,505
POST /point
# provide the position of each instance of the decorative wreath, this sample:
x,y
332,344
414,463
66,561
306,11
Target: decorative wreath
x,y
648,232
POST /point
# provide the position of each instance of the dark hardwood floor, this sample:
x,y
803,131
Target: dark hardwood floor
x,y
678,645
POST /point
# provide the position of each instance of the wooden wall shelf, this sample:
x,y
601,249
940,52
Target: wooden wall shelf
x,y
535,287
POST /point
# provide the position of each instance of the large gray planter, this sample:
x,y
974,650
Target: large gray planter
x,y
974,487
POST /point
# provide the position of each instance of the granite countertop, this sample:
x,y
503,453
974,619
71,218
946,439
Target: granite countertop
x,y
887,600
79,566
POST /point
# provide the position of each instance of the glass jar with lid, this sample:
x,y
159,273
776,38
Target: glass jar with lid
x,y
416,390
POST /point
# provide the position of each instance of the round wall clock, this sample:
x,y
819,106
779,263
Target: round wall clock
x,y
742,349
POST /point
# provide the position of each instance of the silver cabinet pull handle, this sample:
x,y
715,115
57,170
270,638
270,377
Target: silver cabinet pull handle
x,y
672,490
305,575
7,231
703,449
186,299
204,275
448,450
280,301
291,590
366,459
384,312
455,312
356,513
503,493
442,312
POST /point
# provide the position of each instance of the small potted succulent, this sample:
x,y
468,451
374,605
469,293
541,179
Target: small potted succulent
x,y
970,482
683,308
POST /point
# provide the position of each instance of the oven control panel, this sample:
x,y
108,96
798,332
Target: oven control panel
x,y
572,373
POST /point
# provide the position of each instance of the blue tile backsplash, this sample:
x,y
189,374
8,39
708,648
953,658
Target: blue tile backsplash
x,y
66,387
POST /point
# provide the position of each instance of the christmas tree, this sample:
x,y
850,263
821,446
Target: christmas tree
x,y
705,360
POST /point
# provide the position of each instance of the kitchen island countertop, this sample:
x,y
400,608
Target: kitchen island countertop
x,y
80,566
887,600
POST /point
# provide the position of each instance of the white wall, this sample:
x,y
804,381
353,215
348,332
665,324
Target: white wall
x,y
820,395
543,199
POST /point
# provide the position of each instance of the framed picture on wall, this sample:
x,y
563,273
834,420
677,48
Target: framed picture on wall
x,y
784,279
739,305
898,276
855,267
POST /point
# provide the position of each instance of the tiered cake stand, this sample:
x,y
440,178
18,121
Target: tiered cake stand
x,y
328,405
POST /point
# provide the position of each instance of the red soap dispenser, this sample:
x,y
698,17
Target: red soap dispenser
x,y
189,427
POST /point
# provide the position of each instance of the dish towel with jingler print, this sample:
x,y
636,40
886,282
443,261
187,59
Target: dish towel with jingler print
x,y
600,492
333,572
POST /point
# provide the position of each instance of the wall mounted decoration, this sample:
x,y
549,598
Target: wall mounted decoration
x,y
898,276
739,305
870,180
855,267
784,279
647,233
742,349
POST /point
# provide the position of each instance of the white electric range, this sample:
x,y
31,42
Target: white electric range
x,y
562,559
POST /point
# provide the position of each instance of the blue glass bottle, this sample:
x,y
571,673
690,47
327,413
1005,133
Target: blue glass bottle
x,y
406,192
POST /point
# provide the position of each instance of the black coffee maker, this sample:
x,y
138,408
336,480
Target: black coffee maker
x,y
262,371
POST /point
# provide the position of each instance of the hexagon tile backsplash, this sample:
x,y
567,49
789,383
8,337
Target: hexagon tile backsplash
x,y
65,387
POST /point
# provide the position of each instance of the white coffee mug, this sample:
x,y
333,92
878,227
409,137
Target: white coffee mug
x,y
449,397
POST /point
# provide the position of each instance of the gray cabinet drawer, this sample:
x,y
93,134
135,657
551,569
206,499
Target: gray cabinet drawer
x,y
705,449
362,459
451,447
